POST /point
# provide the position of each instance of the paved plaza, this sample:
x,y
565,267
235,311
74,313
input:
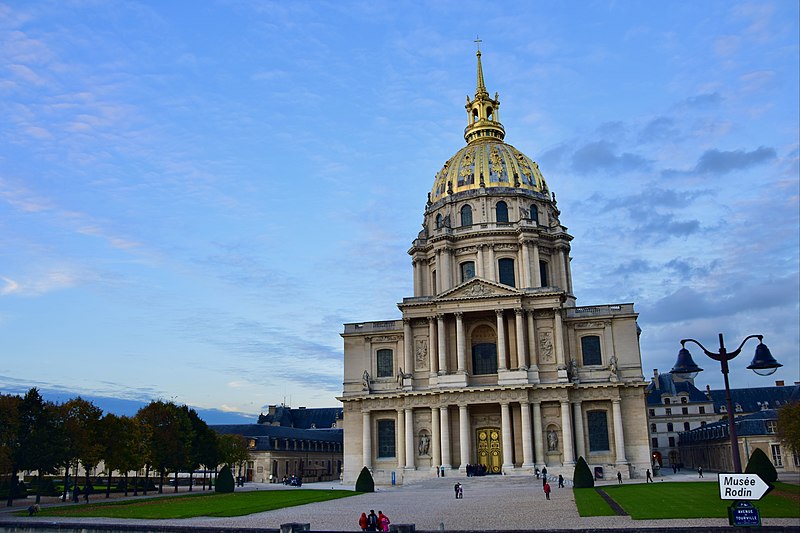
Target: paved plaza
x,y
492,502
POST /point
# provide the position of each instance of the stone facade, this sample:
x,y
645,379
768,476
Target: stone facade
x,y
492,363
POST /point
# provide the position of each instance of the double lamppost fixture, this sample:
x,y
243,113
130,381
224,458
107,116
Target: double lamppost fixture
x,y
762,364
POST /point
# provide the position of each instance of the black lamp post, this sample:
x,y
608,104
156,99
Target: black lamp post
x,y
762,364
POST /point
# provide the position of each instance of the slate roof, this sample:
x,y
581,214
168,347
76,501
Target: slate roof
x,y
753,399
747,425
672,388
303,418
265,434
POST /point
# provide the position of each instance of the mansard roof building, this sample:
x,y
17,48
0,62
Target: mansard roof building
x,y
492,362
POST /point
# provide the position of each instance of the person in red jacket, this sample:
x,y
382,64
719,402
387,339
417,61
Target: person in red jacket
x,y
362,521
547,490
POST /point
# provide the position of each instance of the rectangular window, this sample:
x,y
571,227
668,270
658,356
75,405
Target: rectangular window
x,y
543,274
386,444
598,430
702,410
772,426
796,458
685,410
668,410
655,442
467,270
777,460
506,267
590,348
652,412
672,442
385,363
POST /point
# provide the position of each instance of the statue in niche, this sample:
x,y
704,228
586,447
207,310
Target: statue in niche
x,y
424,443
552,441
365,381
612,367
572,370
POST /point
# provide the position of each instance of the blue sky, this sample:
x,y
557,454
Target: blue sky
x,y
194,196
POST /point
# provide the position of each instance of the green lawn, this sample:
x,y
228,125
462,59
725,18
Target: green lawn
x,y
188,506
690,500
591,504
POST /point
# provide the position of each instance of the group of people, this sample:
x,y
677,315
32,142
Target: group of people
x,y
476,470
459,491
294,481
373,522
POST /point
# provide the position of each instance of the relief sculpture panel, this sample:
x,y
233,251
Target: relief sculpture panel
x,y
421,354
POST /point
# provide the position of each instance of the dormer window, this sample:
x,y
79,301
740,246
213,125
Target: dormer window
x,y
667,401
684,399
738,408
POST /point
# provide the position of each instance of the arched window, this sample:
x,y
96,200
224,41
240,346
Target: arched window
x,y
590,348
501,212
667,401
467,270
684,399
489,113
385,363
438,221
506,268
535,214
474,115
466,215
543,273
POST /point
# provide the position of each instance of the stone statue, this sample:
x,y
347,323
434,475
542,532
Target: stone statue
x,y
365,381
552,441
612,366
424,443
572,370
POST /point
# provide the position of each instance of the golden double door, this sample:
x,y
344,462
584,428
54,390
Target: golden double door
x,y
490,449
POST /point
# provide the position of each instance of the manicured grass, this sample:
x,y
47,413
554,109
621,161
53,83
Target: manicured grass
x,y
188,506
590,503
786,487
690,500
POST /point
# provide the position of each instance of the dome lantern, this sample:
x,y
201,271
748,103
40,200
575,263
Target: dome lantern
x,y
482,112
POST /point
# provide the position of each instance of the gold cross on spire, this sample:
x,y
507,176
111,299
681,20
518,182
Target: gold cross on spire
x,y
478,41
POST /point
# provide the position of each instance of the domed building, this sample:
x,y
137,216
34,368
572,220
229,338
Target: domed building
x,y
493,364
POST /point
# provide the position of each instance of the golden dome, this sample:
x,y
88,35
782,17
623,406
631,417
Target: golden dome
x,y
486,161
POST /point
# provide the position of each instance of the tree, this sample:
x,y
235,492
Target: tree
x,y
210,454
789,426
9,443
169,437
233,449
365,483
760,464
582,476
203,441
224,480
82,425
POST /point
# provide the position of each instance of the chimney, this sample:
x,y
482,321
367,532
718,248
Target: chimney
x,y
708,391
271,410
779,383
655,379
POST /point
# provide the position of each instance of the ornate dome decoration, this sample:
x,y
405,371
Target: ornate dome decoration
x,y
486,161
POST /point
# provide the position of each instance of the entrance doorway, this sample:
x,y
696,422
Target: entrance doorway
x,y
490,452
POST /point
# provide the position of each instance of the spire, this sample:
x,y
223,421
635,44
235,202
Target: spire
x,y
483,121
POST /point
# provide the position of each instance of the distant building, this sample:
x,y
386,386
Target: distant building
x,y
286,442
675,405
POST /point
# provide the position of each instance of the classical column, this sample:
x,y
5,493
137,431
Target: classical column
x,y
562,268
463,436
444,416
409,415
566,433
447,271
492,264
400,439
522,354
527,436
533,354
436,444
479,265
417,285
501,340
408,347
526,264
508,446
558,341
580,440
434,359
538,442
537,275
442,338
569,274
608,340
366,438
619,437
461,343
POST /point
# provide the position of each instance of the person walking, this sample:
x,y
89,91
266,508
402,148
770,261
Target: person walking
x,y
546,489
649,476
362,522
457,490
700,471
619,477
560,481
544,476
383,521
372,521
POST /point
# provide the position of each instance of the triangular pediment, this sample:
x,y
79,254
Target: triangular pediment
x,y
478,288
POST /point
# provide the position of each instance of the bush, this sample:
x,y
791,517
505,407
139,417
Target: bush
x,y
20,490
224,480
365,483
760,464
582,477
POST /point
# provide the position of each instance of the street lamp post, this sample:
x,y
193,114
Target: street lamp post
x,y
763,364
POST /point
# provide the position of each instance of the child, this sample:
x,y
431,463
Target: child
x,y
383,521
547,490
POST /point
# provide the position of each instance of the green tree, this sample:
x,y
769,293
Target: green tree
x,y
169,437
789,426
365,483
81,420
210,454
203,439
582,476
9,440
760,464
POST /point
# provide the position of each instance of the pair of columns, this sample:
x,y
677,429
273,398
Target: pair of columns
x,y
533,452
